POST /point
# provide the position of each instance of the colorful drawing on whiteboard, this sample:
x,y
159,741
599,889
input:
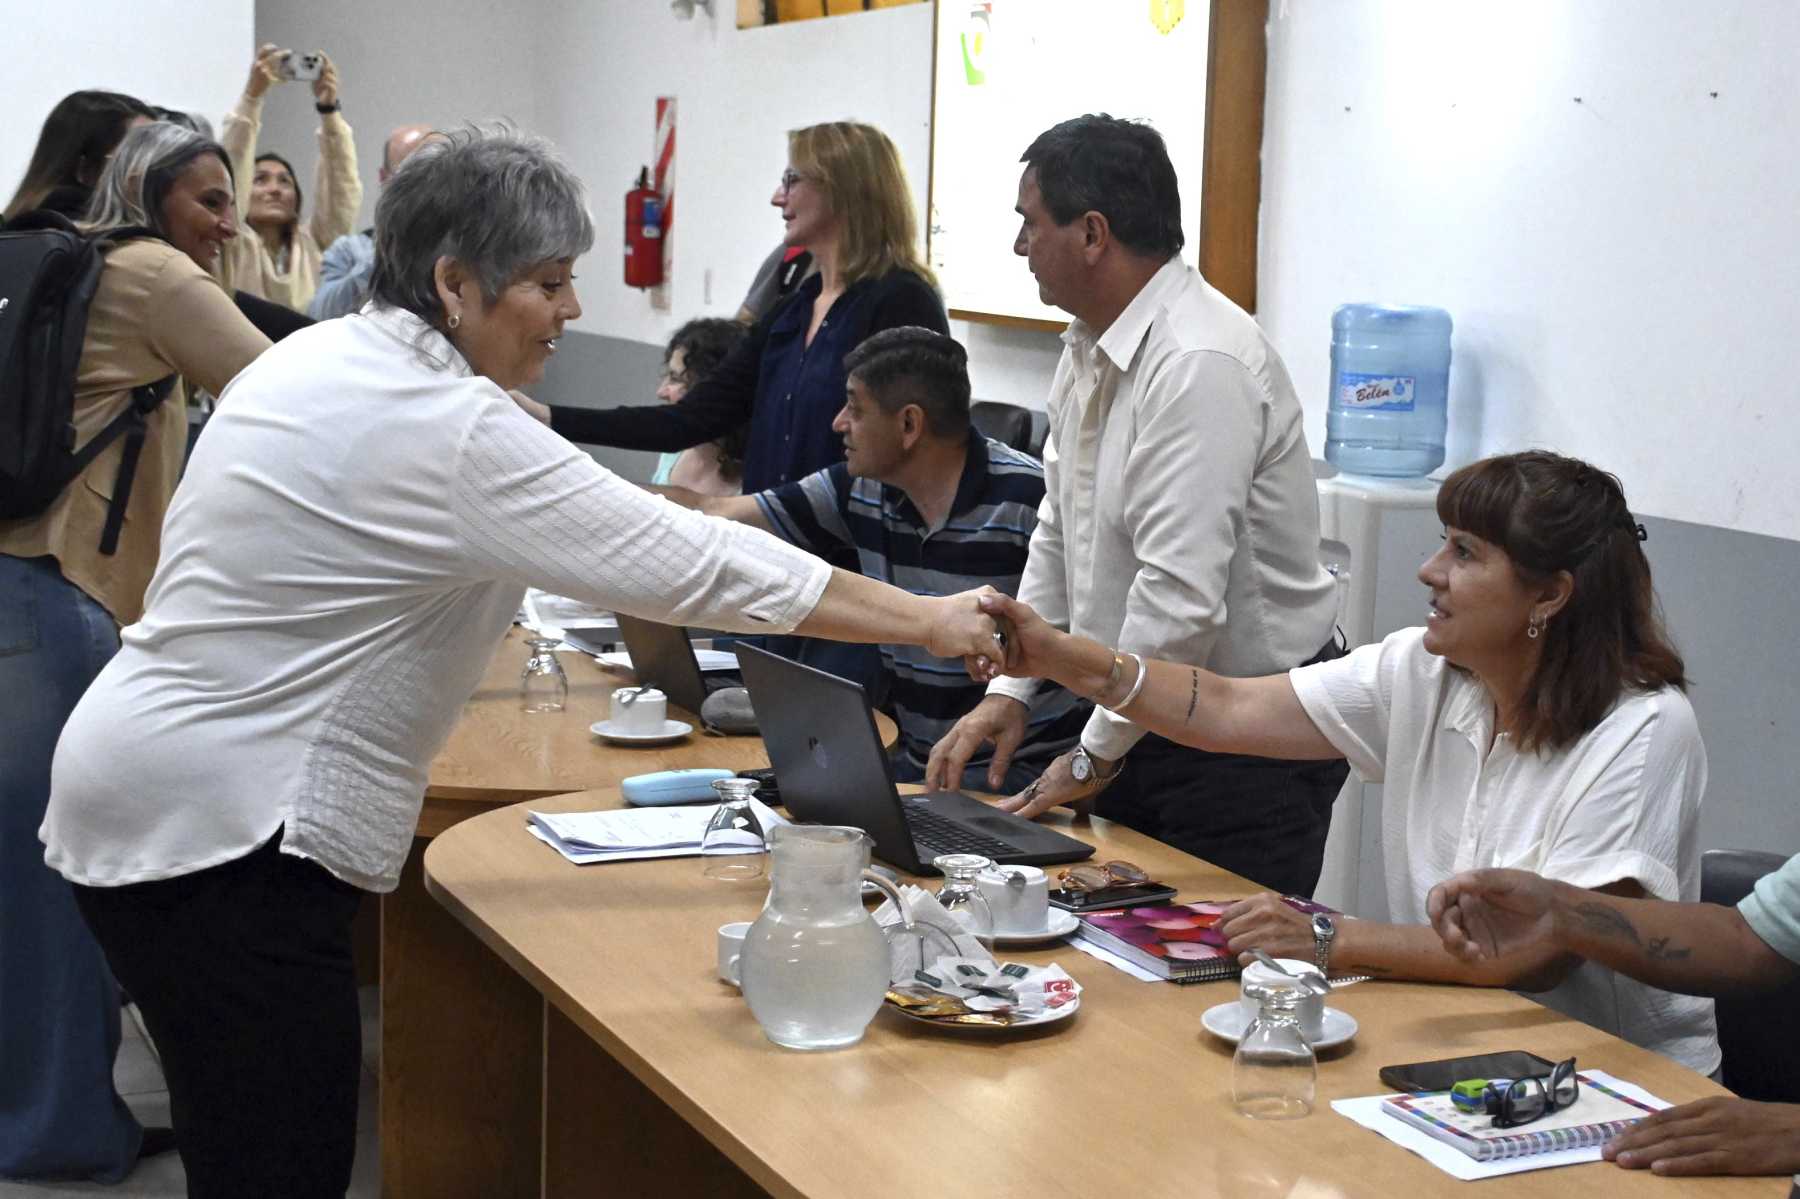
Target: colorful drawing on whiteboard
x,y
754,13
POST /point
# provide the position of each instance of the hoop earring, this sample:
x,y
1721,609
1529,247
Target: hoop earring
x,y
1533,626
455,321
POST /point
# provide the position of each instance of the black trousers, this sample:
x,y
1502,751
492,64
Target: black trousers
x,y
244,976
1263,818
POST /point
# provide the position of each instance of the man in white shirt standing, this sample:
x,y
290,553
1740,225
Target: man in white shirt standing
x,y
1180,519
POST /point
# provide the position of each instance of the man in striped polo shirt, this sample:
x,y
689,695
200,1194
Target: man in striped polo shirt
x,y
932,507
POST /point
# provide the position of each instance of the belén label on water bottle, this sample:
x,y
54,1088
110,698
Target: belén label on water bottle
x,y
1376,393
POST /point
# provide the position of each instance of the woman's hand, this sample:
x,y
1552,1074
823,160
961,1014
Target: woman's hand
x,y
1034,642
325,87
1264,922
965,629
538,412
265,70
1057,787
1717,1135
1486,914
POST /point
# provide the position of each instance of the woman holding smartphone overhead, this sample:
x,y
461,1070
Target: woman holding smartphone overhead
x,y
1537,720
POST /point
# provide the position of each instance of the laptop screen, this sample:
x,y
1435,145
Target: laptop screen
x,y
826,751
662,657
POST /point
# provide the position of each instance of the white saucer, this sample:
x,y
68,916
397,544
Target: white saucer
x,y
1061,924
671,730
1227,1020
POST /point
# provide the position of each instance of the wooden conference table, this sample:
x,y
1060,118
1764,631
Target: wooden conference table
x,y
649,1076
443,1041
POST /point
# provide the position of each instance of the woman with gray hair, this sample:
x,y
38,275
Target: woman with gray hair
x,y
65,589
351,541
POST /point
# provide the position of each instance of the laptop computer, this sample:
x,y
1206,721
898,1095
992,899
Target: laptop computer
x,y
663,657
832,769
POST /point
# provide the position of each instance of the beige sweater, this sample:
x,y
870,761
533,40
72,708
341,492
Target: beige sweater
x,y
336,196
155,314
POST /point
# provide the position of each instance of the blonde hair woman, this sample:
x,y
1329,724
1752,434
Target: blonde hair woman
x,y
843,196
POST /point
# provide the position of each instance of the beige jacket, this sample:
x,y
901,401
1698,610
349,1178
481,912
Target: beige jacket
x,y
156,313
334,200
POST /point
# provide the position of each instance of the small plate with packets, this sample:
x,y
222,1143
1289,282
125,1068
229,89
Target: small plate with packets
x,y
987,1006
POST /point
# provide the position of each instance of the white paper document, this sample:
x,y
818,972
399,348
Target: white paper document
x,y
628,834
1454,1162
548,615
708,659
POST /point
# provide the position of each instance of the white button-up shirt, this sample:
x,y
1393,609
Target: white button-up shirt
x,y
1180,518
1622,802
351,540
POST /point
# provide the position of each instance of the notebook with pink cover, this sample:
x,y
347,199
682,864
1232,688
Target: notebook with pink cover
x,y
1176,941
1597,1116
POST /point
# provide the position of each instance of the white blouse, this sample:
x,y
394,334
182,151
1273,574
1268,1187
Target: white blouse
x,y
1623,802
351,540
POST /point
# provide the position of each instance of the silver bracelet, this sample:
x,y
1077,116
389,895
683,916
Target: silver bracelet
x,y
1137,684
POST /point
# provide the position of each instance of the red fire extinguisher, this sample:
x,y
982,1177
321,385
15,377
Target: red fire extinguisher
x,y
643,234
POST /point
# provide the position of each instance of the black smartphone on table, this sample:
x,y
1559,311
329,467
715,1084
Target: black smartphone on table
x,y
1443,1074
1109,898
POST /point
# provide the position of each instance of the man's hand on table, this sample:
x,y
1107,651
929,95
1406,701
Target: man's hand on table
x,y
1716,1135
998,719
1057,786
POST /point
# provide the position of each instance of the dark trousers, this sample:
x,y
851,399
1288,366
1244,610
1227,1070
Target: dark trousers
x,y
1263,818
244,976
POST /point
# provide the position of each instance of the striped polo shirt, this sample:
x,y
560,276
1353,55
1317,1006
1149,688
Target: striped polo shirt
x,y
983,541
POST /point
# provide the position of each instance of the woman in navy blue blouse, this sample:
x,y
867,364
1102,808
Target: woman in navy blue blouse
x,y
844,198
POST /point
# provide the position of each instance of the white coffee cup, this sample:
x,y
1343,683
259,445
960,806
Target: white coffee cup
x,y
1019,897
731,948
1312,1006
639,712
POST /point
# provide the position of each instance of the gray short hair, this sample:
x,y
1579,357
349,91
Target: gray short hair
x,y
498,201
146,165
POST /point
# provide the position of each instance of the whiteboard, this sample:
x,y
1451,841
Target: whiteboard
x,y
1006,70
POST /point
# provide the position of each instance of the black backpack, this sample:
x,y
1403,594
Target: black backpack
x,y
49,271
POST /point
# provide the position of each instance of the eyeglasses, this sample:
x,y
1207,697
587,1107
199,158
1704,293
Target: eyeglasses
x,y
790,177
1098,878
1526,1099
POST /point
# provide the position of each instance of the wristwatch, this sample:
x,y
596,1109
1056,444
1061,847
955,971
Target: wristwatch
x,y
1324,933
1085,768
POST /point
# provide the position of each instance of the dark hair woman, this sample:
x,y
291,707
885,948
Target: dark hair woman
x,y
78,138
694,352
1536,721
157,312
280,259
353,537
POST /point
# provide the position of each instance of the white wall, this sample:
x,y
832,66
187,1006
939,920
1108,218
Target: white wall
x,y
1615,240
192,55
401,63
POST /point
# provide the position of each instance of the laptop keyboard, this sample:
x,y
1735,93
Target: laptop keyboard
x,y
935,835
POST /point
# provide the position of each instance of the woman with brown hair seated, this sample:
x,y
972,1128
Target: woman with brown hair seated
x,y
1536,721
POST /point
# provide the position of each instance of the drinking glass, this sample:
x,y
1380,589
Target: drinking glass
x,y
543,687
733,824
961,893
1274,1074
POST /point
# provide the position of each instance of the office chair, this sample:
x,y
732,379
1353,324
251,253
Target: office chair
x,y
1756,1032
1010,425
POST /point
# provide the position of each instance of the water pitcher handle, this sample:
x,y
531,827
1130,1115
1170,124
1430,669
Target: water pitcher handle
x,y
892,892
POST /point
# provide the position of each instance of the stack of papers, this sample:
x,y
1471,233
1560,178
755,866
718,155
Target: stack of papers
x,y
707,659
547,615
629,834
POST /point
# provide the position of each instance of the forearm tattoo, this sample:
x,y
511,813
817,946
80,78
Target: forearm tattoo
x,y
1193,696
1604,921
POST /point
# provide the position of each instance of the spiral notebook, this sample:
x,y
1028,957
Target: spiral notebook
x,y
1176,941
1596,1117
